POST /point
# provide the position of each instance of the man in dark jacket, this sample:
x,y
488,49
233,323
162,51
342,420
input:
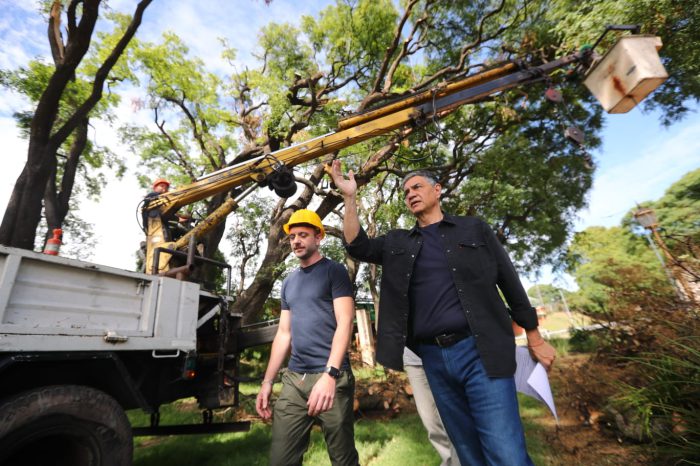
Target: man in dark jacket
x,y
440,297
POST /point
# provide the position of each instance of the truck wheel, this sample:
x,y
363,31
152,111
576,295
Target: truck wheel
x,y
64,425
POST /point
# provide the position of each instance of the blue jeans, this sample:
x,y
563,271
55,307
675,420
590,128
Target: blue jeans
x,y
480,413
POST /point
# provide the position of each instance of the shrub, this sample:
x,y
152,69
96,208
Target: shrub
x,y
667,401
583,341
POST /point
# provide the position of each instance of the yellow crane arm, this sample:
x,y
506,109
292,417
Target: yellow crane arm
x,y
416,109
351,131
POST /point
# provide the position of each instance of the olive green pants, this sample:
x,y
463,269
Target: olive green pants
x,y
291,425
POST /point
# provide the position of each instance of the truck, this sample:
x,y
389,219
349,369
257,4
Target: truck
x,y
81,343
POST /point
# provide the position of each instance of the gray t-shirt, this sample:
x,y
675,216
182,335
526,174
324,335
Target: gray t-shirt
x,y
308,294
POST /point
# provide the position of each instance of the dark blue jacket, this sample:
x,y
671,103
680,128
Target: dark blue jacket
x,y
480,267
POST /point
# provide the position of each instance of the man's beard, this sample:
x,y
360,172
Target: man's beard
x,y
306,253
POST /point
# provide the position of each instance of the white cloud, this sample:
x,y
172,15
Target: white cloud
x,y
665,160
14,156
22,33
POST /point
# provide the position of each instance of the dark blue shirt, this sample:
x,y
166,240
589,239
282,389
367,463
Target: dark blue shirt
x,y
434,304
308,294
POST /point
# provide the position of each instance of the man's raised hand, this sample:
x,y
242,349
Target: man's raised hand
x,y
347,187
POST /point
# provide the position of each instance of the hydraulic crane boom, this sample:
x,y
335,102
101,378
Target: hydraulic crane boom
x,y
275,168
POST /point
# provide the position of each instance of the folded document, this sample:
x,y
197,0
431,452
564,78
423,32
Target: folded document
x,y
531,379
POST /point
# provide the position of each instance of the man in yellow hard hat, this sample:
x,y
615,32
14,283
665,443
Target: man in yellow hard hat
x,y
316,324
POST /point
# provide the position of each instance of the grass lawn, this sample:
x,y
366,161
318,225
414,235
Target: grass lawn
x,y
531,411
556,321
401,441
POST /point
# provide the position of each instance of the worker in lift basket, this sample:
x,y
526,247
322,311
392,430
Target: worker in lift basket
x,y
160,186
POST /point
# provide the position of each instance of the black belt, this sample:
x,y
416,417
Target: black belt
x,y
446,339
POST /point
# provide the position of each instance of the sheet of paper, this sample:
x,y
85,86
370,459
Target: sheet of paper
x,y
531,379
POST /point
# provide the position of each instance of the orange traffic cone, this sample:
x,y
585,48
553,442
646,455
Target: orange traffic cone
x,y
53,244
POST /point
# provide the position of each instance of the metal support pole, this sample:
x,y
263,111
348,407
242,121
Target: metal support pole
x,y
655,248
684,290
566,308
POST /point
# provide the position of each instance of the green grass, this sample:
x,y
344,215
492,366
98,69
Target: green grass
x,y
245,448
401,441
561,345
556,321
371,373
535,434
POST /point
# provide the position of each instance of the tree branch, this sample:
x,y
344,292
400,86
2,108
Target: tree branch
x,y
69,171
173,145
49,102
54,32
62,134
467,48
72,9
392,48
405,51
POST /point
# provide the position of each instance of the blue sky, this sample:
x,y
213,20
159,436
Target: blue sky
x,y
638,160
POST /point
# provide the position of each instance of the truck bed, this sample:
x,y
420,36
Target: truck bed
x,y
50,303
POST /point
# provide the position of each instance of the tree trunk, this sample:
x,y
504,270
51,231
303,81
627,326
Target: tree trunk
x,y
57,200
252,301
23,213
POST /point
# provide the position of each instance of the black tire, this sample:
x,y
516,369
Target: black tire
x,y
64,425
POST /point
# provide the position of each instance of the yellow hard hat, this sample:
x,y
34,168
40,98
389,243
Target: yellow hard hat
x,y
305,217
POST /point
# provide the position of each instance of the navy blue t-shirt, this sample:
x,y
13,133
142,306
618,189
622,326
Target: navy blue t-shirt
x,y
308,294
434,304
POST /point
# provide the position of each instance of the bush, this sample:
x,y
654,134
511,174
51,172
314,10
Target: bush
x,y
561,345
583,341
667,400
254,361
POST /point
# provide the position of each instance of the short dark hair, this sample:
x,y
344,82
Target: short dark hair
x,y
430,176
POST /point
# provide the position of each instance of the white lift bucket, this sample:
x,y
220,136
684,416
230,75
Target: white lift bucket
x,y
627,73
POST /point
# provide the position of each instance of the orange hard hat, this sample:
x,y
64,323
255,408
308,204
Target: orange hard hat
x,y
305,217
161,181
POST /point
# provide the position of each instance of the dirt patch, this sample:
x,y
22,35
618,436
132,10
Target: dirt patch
x,y
584,435
581,384
387,397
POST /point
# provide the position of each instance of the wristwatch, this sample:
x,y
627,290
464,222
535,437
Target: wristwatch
x,y
332,371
